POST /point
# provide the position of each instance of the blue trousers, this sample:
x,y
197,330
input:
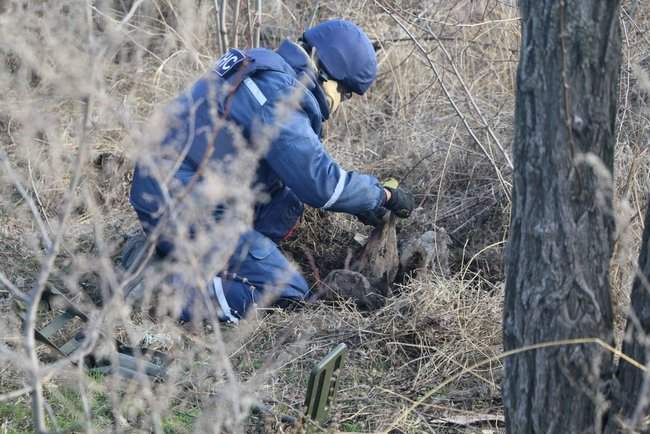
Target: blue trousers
x,y
256,272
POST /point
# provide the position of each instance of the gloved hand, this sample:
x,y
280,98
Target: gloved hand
x,y
372,218
401,201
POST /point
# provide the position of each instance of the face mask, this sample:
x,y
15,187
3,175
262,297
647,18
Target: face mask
x,y
331,90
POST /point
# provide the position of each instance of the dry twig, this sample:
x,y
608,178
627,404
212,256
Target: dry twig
x,y
505,184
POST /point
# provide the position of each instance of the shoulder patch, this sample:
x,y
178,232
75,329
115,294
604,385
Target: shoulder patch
x,y
227,63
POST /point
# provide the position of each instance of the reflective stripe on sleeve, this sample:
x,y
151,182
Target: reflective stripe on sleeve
x,y
217,288
338,189
255,90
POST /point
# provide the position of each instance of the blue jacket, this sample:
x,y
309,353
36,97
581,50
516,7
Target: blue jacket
x,y
295,169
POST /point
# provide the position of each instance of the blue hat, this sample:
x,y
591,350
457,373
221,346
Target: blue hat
x,y
345,53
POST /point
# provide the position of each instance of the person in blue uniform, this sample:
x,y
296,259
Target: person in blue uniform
x,y
326,66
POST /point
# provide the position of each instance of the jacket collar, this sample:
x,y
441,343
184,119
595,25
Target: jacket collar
x,y
299,60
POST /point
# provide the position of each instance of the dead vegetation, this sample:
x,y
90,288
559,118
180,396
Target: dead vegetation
x,y
78,75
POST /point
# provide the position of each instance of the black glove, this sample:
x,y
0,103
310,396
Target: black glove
x,y
401,202
372,218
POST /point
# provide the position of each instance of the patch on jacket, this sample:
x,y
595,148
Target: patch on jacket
x,y
227,63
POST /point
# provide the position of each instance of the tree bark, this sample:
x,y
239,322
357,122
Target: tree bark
x,y
634,384
561,232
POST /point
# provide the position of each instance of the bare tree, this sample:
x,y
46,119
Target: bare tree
x,y
562,221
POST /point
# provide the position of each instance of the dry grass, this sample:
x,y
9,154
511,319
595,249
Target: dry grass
x,y
405,127
424,335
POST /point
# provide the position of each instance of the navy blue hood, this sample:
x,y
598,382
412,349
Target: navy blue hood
x,y
299,60
345,52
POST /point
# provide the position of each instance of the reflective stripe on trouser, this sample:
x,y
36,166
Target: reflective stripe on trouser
x,y
257,272
225,313
263,274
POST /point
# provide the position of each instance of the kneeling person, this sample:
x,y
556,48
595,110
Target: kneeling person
x,y
327,65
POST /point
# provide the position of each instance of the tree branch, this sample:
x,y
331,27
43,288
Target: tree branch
x,y
15,180
506,186
46,269
20,295
235,25
258,31
223,26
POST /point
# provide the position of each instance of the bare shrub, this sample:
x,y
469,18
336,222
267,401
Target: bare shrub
x,y
80,85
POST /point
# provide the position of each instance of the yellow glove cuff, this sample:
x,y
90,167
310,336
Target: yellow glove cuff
x,y
391,183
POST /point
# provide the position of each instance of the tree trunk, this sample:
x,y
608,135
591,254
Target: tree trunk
x,y
635,384
561,229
